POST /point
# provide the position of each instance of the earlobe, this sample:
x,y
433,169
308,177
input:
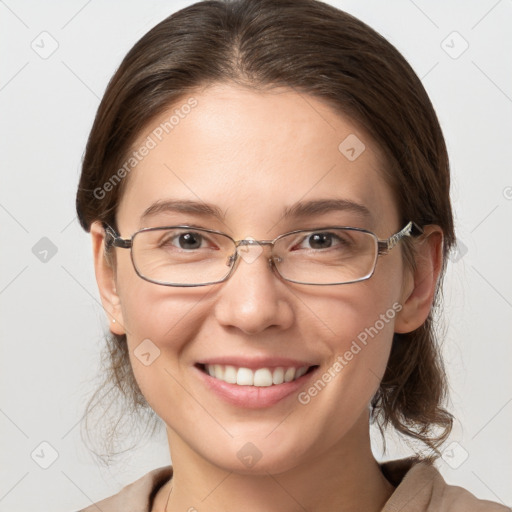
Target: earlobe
x,y
105,279
418,294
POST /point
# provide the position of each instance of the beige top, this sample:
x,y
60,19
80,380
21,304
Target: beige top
x,y
419,488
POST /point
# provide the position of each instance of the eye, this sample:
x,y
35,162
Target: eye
x,y
189,240
322,240
186,240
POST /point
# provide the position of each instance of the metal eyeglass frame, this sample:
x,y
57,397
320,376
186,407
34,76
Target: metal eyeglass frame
x,y
114,239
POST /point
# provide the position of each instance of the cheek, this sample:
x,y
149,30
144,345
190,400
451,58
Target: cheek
x,y
160,326
159,322
151,311
169,318
358,311
358,341
361,354
355,327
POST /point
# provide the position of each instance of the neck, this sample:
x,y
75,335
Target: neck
x,y
346,478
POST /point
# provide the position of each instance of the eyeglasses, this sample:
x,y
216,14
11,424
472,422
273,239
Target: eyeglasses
x,y
190,256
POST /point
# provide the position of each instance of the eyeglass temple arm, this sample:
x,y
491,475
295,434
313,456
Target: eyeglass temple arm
x,y
387,245
112,238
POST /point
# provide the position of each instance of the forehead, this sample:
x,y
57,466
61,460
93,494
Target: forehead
x,y
253,155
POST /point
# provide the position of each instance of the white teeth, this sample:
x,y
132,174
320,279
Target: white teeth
x,y
278,376
230,374
289,374
244,377
218,371
301,371
262,377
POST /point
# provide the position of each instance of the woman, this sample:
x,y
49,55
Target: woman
x,y
267,189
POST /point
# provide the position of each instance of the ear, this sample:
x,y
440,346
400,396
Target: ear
x,y
419,290
105,278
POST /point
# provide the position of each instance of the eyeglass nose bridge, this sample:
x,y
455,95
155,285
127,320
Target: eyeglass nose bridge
x,y
248,242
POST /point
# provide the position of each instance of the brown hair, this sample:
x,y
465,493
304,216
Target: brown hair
x,y
314,49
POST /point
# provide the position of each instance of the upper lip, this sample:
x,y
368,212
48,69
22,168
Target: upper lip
x,y
256,362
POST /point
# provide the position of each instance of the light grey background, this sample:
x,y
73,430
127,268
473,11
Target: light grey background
x,y
51,321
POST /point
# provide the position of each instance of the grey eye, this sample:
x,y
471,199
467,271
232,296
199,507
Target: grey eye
x,y
320,240
189,240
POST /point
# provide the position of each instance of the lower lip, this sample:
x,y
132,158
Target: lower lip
x,y
253,397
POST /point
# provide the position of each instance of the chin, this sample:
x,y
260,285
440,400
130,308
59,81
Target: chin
x,y
256,455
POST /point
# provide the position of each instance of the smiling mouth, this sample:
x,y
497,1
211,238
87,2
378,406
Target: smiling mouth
x,y
260,377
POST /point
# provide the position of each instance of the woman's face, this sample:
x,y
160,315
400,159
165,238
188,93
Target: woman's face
x,y
252,157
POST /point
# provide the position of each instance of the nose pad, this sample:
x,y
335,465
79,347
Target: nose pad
x,y
249,250
231,260
272,261
249,256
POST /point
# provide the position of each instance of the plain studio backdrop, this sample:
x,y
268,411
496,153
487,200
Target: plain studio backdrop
x,y
57,60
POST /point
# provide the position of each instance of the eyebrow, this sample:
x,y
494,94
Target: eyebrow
x,y
184,206
299,209
317,207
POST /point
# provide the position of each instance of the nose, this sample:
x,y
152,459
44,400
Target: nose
x,y
254,298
